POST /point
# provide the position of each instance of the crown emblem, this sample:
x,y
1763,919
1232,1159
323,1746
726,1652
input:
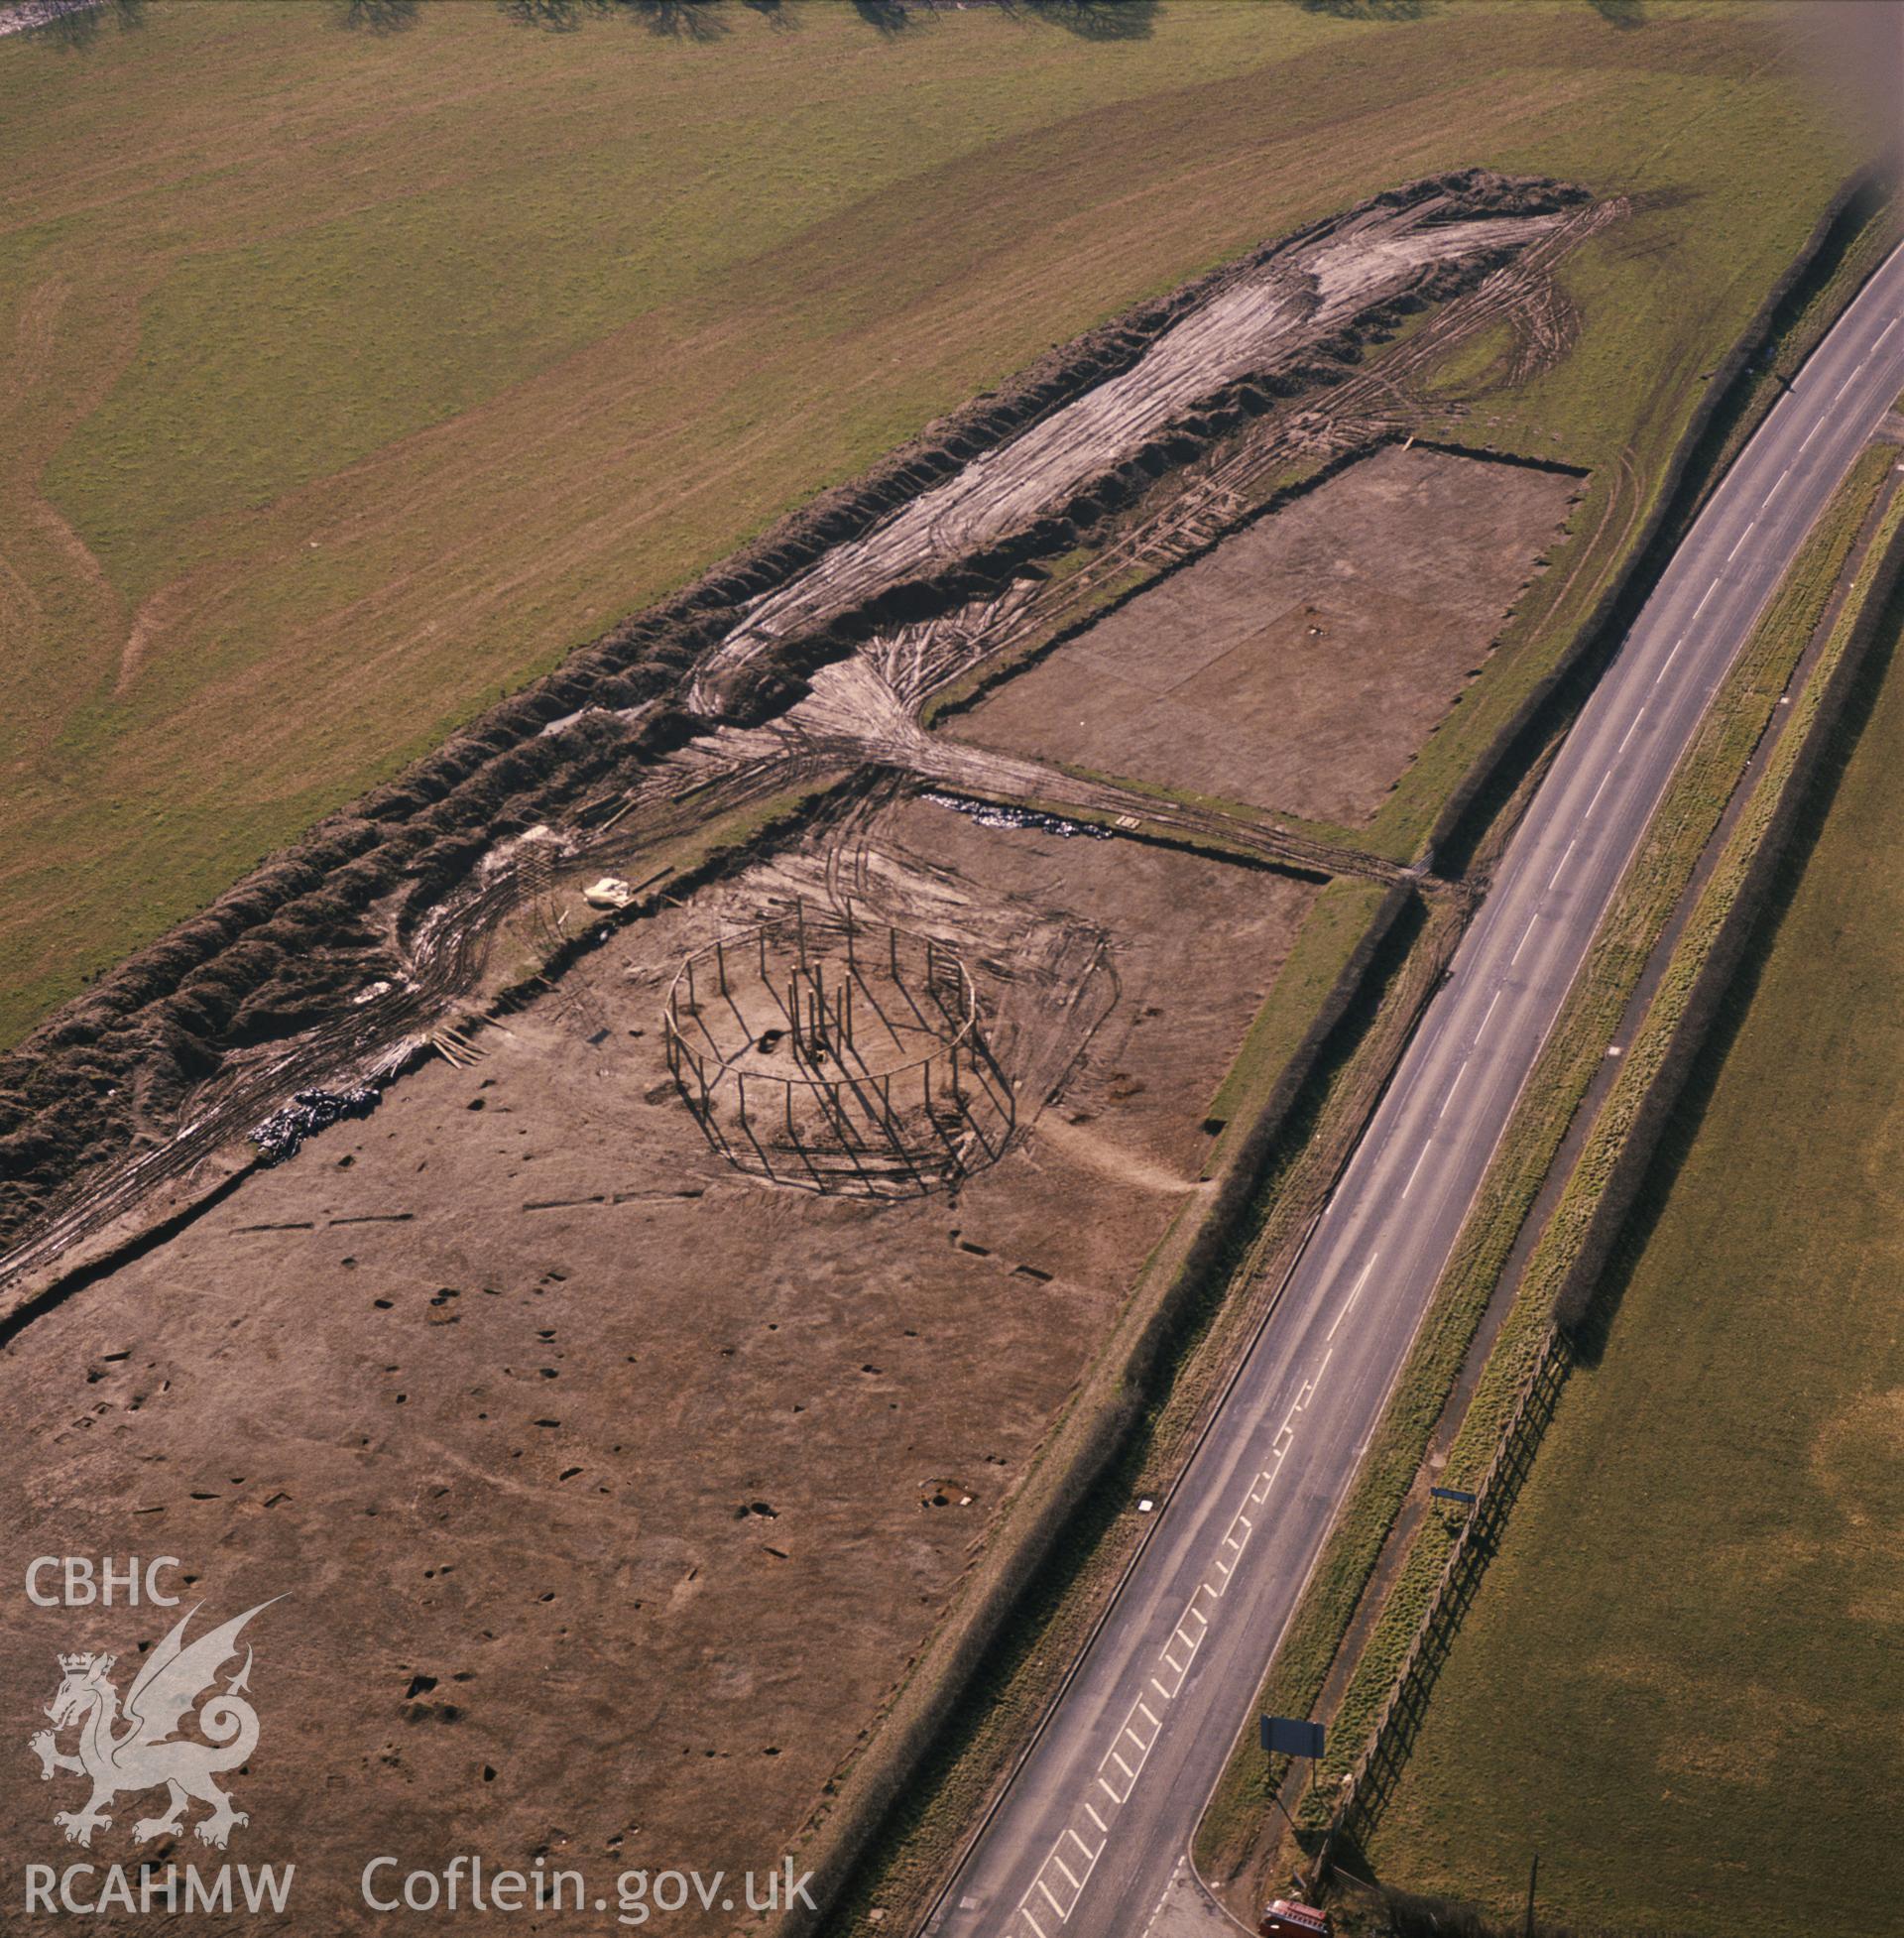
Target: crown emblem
x,y
131,1743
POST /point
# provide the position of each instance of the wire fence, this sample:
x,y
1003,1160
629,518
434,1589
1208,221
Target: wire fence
x,y
1373,1775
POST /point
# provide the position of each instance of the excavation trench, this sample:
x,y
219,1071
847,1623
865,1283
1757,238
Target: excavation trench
x,y
343,959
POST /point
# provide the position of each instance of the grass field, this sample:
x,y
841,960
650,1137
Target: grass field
x,y
1678,1678
351,378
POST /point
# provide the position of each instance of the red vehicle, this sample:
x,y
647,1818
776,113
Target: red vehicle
x,y
1287,1919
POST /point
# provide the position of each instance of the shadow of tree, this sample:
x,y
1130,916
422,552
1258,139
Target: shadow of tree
x,y
677,20
1368,9
551,16
1093,20
887,16
702,19
77,24
375,16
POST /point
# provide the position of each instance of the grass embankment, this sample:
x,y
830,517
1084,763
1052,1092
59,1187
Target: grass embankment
x,y
362,375
1676,1679
1329,937
1687,819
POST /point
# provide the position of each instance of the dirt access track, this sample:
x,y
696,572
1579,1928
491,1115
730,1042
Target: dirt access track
x,y
614,1489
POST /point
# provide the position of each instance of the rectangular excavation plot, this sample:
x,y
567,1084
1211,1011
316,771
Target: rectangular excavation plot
x,y
1301,665
613,1488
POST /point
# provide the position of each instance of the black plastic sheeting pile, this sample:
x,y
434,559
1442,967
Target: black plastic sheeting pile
x,y
989,814
281,1134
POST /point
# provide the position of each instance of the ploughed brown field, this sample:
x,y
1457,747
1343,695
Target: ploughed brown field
x,y
611,1489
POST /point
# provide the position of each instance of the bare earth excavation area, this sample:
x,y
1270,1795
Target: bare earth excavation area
x,y
1300,663
609,1485
619,1404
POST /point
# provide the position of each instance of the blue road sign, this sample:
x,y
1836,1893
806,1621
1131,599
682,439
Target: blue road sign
x,y
1291,1736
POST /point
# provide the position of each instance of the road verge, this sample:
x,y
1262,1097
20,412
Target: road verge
x,y
1690,899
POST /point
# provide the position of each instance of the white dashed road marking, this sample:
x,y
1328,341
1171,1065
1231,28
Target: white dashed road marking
x,y
1069,1864
1453,1087
1355,1291
1486,1020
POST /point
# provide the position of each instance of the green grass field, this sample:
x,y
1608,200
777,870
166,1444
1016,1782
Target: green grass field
x,y
1678,1680
351,378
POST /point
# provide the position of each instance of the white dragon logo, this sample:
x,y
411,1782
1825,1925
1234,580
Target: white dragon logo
x,y
143,1752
